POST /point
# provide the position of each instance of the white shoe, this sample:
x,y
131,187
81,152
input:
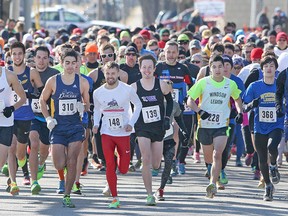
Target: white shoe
x,y
106,191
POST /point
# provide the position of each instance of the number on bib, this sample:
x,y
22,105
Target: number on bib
x,y
175,95
16,98
213,120
115,122
67,107
267,114
151,114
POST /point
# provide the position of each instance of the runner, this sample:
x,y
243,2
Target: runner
x,y
66,131
151,125
268,127
214,94
117,123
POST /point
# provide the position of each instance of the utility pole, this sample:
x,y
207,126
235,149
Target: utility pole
x,y
27,14
14,11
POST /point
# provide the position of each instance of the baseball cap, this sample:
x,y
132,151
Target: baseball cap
x,y
77,31
256,53
194,44
74,37
183,37
124,34
228,59
163,31
91,48
131,49
281,35
145,34
206,33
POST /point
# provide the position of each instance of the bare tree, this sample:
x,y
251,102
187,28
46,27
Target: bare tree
x,y
150,9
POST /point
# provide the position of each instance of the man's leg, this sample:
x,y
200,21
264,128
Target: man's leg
x,y
157,151
123,149
33,157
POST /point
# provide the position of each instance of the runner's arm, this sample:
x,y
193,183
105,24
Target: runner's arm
x,y
97,113
17,87
46,94
137,107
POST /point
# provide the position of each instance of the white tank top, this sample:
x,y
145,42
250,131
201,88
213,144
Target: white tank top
x,y
216,101
5,100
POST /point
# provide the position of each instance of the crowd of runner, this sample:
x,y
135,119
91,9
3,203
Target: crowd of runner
x,y
129,100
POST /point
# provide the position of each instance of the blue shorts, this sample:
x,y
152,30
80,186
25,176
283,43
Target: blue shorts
x,y
65,135
41,128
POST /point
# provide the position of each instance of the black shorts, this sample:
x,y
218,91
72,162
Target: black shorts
x,y
43,131
154,137
206,135
21,130
6,134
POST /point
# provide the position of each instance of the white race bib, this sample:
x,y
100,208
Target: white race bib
x,y
2,105
213,120
36,106
169,132
67,107
175,95
115,122
16,98
267,114
151,114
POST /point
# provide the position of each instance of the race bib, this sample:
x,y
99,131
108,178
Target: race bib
x,y
115,122
213,120
175,95
67,107
169,132
151,114
2,105
35,105
267,114
16,98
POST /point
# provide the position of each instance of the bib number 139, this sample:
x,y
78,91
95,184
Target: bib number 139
x,y
151,114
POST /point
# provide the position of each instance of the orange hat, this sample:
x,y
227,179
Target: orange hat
x,y
91,48
2,42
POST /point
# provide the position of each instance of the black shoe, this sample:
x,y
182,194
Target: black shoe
x,y
275,174
269,191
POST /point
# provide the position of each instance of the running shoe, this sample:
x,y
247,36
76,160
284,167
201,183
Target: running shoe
x,y
138,164
8,185
5,170
150,201
257,175
14,189
275,174
106,191
234,150
67,202
26,180
169,180
181,168
211,190
220,186
131,167
159,195
115,203
76,189
155,172
261,183
41,169
190,151
239,163
174,170
248,159
223,177
84,171
269,191
21,163
208,171
61,188
197,157
35,188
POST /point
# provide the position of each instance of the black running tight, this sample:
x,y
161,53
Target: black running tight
x,y
168,153
230,139
267,143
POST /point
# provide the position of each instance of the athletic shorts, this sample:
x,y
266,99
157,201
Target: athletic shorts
x,y
43,131
65,135
21,130
6,134
152,136
206,135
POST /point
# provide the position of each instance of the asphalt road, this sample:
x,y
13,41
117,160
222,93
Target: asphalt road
x,y
186,196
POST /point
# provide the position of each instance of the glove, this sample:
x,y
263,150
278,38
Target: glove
x,y
32,95
7,111
51,122
80,108
255,103
203,114
91,107
239,118
166,123
279,113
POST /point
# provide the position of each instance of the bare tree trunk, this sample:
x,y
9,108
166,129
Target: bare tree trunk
x,y
150,9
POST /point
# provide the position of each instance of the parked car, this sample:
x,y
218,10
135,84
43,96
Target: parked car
x,y
179,21
58,17
165,15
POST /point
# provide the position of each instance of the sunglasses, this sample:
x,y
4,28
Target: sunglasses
x,y
181,57
183,42
130,54
195,62
165,35
237,50
9,62
107,55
